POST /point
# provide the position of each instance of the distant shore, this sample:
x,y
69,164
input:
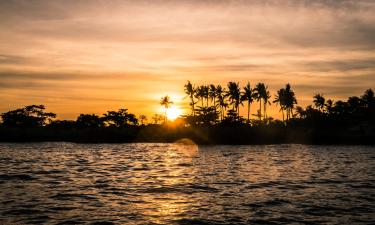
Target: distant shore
x,y
327,122
200,135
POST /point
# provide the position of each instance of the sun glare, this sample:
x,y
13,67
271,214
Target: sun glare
x,y
173,113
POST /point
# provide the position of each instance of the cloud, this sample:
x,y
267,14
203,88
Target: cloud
x,y
13,59
340,65
105,49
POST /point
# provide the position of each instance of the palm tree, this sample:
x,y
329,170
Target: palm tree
x,y
206,95
212,94
319,101
280,100
221,100
266,101
290,101
258,95
248,95
234,95
166,102
199,94
261,93
190,91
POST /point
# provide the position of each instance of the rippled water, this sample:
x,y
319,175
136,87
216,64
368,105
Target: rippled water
x,y
64,183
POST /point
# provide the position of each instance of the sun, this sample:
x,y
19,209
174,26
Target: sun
x,y
173,113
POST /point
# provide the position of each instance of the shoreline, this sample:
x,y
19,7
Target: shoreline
x,y
198,135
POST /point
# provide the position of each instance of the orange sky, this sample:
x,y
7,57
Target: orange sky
x,y
92,56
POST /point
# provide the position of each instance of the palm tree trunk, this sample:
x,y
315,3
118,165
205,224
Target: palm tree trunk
x,y
165,116
260,109
192,104
248,112
215,104
265,110
238,108
282,111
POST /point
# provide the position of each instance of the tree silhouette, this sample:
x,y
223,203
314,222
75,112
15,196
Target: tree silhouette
x,y
206,115
266,101
220,93
29,116
89,121
199,94
142,119
206,94
262,93
259,91
300,112
319,101
280,99
248,96
234,95
329,106
166,102
157,118
191,92
368,99
290,101
212,95
120,118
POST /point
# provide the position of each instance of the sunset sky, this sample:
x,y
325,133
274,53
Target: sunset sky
x,y
92,56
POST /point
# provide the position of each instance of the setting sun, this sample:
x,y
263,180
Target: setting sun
x,y
173,113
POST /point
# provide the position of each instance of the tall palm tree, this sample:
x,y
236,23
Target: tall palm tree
x,y
261,93
234,95
212,94
248,95
319,101
280,100
206,94
258,95
199,94
220,93
166,102
266,100
190,91
290,101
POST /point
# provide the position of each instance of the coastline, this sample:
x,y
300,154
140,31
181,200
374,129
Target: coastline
x,y
199,135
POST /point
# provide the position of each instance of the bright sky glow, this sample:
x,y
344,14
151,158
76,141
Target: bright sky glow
x,y
91,56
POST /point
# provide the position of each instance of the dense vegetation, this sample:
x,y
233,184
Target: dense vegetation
x,y
214,118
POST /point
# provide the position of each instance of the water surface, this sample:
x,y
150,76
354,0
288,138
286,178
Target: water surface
x,y
65,183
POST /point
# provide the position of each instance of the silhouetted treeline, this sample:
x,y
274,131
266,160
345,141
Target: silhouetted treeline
x,y
214,119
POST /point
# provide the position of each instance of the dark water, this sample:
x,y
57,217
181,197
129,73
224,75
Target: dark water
x,y
64,183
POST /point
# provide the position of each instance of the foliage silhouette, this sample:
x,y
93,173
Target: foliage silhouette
x,y
248,95
89,121
29,116
166,102
120,118
326,121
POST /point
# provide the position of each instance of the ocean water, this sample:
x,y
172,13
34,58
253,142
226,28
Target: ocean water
x,y
66,183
